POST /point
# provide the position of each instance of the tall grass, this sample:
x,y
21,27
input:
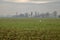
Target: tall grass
x,y
29,29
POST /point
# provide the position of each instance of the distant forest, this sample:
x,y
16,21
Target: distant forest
x,y
38,15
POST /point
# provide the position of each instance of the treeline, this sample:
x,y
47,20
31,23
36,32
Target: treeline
x,y
38,15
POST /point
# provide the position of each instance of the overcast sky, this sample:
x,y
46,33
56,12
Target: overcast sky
x,y
30,0
6,8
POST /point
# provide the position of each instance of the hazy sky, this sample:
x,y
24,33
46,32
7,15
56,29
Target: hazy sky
x,y
8,7
37,1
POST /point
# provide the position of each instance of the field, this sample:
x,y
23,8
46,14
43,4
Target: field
x,y
29,29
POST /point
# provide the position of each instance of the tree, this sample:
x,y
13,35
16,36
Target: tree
x,y
21,15
47,14
55,14
31,14
35,14
59,16
43,15
26,15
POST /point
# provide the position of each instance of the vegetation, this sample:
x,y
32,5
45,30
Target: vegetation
x,y
29,29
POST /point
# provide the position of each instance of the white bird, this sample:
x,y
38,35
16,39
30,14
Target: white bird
x,y
40,21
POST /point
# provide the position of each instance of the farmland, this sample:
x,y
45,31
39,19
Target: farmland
x,y
29,29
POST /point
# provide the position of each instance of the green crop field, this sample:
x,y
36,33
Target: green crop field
x,y
29,29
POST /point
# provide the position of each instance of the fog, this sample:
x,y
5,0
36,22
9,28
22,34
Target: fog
x,y
10,8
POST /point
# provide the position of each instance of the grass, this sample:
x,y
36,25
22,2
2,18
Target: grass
x,y
29,29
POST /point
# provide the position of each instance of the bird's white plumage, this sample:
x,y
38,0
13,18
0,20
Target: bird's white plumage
x,y
40,20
